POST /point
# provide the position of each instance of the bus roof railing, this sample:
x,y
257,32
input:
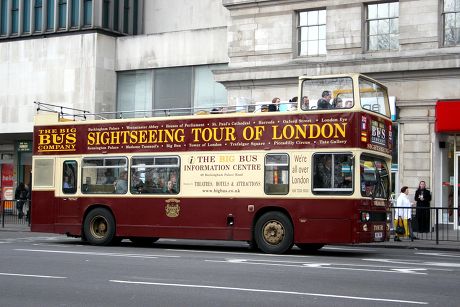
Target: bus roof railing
x,y
74,113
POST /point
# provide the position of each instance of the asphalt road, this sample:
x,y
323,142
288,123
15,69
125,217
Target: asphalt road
x,y
52,270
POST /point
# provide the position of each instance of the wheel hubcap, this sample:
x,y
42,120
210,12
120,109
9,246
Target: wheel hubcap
x,y
273,232
99,227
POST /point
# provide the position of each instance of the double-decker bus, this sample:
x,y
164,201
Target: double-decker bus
x,y
317,174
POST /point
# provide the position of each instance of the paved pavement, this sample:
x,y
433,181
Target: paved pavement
x,y
405,243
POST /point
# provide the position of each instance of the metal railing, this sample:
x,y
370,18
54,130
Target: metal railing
x,y
432,223
15,212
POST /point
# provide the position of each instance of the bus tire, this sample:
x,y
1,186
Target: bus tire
x,y
143,241
99,227
273,233
309,247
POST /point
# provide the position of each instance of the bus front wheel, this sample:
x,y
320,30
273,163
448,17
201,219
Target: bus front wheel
x,y
274,233
99,227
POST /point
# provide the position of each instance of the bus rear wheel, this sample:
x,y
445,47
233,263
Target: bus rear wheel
x,y
99,227
274,233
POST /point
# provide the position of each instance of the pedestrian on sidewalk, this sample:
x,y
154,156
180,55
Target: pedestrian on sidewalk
x,y
423,198
21,195
403,210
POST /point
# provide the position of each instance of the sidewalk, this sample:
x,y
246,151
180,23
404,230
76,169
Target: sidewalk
x,y
453,246
15,227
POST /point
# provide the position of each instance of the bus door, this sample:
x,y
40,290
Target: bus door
x,y
67,210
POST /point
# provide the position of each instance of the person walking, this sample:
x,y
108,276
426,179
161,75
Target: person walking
x,y
403,211
21,195
423,198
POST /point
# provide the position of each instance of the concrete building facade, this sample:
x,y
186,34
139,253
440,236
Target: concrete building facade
x,y
133,57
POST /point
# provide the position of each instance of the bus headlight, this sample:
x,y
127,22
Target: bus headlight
x,y
365,216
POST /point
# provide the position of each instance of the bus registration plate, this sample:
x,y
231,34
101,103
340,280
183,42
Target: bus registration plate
x,y
378,236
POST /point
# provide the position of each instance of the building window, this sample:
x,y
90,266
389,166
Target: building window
x,y
135,90
174,91
87,12
3,17
312,33
26,17
206,92
173,87
62,14
15,17
135,15
105,13
50,15
74,13
116,13
451,17
38,15
126,17
383,26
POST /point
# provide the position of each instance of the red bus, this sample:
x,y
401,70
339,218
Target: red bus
x,y
315,174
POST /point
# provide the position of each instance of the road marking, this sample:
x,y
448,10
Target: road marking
x,y
270,291
96,254
329,266
28,275
348,249
29,239
236,253
439,255
407,262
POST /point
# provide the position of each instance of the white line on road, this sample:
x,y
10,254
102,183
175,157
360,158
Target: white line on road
x,y
96,254
270,291
235,253
325,266
348,249
407,262
28,275
440,255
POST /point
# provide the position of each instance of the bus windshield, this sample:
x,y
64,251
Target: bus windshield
x,y
341,93
375,181
373,97
331,93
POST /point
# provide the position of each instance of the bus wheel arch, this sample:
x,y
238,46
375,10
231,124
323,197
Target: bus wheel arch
x,y
99,226
273,231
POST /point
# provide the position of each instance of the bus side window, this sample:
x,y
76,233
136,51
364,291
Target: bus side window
x,y
69,177
155,175
332,174
276,174
101,175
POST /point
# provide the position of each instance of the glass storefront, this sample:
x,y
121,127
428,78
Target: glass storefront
x,y
451,180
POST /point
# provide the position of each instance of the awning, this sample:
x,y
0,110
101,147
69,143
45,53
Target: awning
x,y
447,116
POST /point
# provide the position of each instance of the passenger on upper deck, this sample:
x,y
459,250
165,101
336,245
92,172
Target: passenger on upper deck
x,y
217,110
323,102
337,103
293,103
305,105
275,105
